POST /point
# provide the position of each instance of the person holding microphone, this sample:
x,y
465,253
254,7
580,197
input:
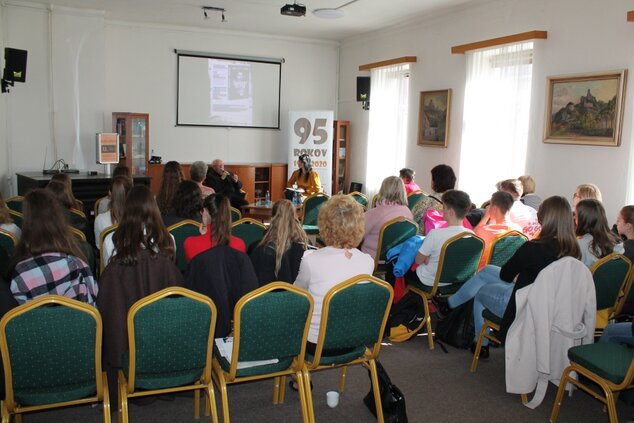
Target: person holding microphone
x,y
225,182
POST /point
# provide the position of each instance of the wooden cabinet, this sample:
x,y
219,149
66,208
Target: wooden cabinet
x,y
134,135
340,152
257,178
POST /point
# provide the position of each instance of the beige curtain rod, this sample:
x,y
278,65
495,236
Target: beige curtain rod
x,y
515,38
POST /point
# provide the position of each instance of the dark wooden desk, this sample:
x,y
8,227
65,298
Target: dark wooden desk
x,y
264,213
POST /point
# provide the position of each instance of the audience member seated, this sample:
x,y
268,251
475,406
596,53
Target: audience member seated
x,y
277,257
521,214
172,177
456,203
625,228
305,178
47,259
226,183
198,173
120,170
584,192
215,228
494,287
187,203
496,221
119,188
594,236
391,203
443,179
529,197
65,179
6,222
64,196
407,176
142,263
340,223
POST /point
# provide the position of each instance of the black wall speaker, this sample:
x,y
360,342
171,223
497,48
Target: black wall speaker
x,y
15,65
363,88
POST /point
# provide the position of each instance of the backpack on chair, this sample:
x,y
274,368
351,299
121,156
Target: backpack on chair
x,y
406,318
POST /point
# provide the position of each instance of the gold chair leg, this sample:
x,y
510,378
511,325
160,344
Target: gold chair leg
x,y
197,404
282,392
524,398
376,390
18,418
430,333
5,413
301,387
609,396
123,398
308,395
224,399
342,378
276,390
560,393
106,399
476,355
211,402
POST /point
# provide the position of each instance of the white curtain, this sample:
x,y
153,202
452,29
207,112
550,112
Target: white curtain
x,y
387,131
496,114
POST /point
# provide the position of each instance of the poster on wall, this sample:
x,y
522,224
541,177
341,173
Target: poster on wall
x,y
311,134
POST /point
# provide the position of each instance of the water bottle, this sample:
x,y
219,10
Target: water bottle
x,y
267,199
295,198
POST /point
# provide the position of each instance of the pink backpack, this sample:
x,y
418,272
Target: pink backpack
x,y
435,219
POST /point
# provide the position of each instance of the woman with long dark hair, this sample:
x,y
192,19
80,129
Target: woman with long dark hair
x,y
119,188
304,177
47,259
187,203
279,254
595,238
443,179
172,176
215,229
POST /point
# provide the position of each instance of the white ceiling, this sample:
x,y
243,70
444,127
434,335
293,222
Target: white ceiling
x,y
263,16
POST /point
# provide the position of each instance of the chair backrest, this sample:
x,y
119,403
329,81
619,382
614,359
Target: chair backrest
x,y
79,235
271,322
170,338
393,233
311,206
15,203
360,198
51,351
459,258
181,231
17,217
504,246
414,197
8,241
249,230
353,316
235,214
102,237
78,212
610,276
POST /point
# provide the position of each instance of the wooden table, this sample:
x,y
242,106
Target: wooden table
x,y
262,212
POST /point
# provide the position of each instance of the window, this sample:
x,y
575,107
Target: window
x,y
387,130
496,116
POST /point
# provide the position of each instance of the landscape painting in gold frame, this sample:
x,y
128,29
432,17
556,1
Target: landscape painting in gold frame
x,y
585,109
433,118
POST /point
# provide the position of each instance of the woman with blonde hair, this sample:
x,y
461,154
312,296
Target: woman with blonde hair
x,y
391,203
278,256
341,226
586,191
172,177
528,196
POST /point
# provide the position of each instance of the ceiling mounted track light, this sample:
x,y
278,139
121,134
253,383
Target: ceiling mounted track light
x,y
222,11
332,13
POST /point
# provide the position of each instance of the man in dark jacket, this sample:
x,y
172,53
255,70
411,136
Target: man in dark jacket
x,y
227,183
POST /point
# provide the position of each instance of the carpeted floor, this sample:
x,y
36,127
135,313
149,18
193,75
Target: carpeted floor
x,y
438,387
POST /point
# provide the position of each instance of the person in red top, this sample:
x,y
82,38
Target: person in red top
x,y
407,176
215,230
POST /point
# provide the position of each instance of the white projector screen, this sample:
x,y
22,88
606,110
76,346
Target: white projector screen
x,y
218,90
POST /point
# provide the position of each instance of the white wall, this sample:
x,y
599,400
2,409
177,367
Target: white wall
x,y
583,36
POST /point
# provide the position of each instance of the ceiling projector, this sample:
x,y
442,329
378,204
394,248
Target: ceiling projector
x,y
293,10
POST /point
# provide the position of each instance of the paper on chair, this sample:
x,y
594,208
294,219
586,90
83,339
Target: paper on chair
x,y
225,346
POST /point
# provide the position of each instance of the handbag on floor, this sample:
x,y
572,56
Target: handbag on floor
x,y
392,399
457,329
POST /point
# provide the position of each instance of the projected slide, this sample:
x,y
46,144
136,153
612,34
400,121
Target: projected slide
x,y
224,92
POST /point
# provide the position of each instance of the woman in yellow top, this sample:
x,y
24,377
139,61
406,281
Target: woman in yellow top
x,y
304,177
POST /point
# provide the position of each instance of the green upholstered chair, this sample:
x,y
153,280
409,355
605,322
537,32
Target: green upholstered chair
x,y
51,352
609,365
610,275
86,248
310,211
180,231
353,318
459,258
360,198
271,325
8,241
504,246
15,203
491,322
393,232
414,197
17,217
102,238
235,214
170,338
249,230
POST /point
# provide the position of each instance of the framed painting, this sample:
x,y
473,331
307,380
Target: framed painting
x,y
585,109
433,118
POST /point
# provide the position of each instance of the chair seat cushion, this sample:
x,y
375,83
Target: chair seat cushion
x,y
488,315
413,280
608,360
151,381
338,359
281,365
47,395
311,229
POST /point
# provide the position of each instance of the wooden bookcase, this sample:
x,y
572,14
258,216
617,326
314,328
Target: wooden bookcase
x,y
134,136
340,153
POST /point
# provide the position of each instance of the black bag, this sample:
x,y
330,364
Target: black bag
x,y
457,329
392,399
406,318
